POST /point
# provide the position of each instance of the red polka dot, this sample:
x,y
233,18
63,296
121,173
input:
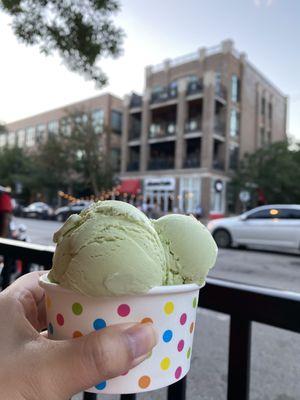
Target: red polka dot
x,y
183,319
60,319
123,310
178,372
180,345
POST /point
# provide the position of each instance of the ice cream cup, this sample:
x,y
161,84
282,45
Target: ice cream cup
x,y
171,309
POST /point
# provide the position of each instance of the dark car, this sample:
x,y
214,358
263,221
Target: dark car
x,y
38,210
62,213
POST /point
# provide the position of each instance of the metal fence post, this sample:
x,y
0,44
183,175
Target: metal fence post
x,y
239,359
177,391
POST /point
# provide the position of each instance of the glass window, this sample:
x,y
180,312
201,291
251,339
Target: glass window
x,y
2,139
235,88
270,111
233,156
21,138
261,214
30,136
234,123
262,136
41,133
53,128
285,213
115,159
98,120
116,121
263,106
66,126
11,139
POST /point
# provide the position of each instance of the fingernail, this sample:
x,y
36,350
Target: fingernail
x,y
141,339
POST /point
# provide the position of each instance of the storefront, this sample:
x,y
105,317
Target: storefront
x,y
160,193
189,199
217,197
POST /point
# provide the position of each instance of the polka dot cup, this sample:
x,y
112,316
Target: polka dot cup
x,y
171,309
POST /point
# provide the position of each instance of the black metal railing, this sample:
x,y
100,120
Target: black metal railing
x,y
194,87
135,101
161,163
243,303
164,94
162,129
133,166
193,125
192,161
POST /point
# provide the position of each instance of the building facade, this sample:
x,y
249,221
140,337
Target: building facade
x,y
105,112
198,116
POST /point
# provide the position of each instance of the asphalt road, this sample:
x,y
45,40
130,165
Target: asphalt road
x,y
275,363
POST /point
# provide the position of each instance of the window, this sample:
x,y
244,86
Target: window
x,y
66,126
233,156
263,106
21,138
234,123
98,120
262,136
11,139
235,88
2,139
270,109
285,213
30,139
116,121
115,159
40,133
261,214
53,128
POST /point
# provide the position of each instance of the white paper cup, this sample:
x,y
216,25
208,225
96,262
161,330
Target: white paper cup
x,y
172,309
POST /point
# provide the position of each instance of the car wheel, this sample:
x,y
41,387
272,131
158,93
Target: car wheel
x,y
222,238
60,218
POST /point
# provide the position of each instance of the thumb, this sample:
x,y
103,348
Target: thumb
x,y
78,364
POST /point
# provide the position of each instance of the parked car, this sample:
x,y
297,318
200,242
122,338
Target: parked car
x,y
62,213
276,225
38,210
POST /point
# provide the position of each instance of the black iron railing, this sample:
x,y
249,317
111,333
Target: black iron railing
x,y
243,303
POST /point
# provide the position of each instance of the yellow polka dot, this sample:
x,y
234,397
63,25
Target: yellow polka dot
x,y
169,307
165,363
48,302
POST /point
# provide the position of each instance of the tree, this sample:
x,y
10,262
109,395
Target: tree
x,y
274,170
80,30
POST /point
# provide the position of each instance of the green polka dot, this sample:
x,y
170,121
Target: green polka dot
x,y
188,354
77,308
195,302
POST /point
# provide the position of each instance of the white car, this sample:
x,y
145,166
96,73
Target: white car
x,y
275,225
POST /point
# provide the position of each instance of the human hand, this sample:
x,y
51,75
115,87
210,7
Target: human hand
x,y
32,367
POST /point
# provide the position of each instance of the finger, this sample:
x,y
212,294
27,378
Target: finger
x,y
79,364
31,296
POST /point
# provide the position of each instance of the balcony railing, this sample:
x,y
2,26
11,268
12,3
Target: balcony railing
x,y
217,164
161,163
135,101
165,94
219,126
220,91
194,87
243,303
192,161
158,130
193,125
133,166
134,134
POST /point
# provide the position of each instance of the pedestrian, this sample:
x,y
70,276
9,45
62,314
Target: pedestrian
x,y
198,211
5,219
35,367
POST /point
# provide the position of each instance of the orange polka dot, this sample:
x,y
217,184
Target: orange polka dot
x,y
48,302
144,381
77,334
147,320
192,326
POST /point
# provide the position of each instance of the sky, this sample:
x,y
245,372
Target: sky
x,y
267,30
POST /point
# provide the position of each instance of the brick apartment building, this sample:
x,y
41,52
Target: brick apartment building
x,y
105,112
198,116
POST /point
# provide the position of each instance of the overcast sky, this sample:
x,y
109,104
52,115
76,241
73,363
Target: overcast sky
x,y
267,30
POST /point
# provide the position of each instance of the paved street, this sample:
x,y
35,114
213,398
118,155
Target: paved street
x,y
275,367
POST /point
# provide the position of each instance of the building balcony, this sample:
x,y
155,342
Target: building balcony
x,y
220,91
162,130
192,161
135,101
194,87
133,166
219,126
134,134
161,163
218,164
193,125
165,94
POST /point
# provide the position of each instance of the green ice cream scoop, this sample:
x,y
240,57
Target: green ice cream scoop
x,y
111,248
189,248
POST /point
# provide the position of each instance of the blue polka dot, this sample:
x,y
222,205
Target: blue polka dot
x,y
101,385
99,323
167,336
50,328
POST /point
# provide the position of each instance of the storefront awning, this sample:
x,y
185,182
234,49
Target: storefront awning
x,y
130,186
